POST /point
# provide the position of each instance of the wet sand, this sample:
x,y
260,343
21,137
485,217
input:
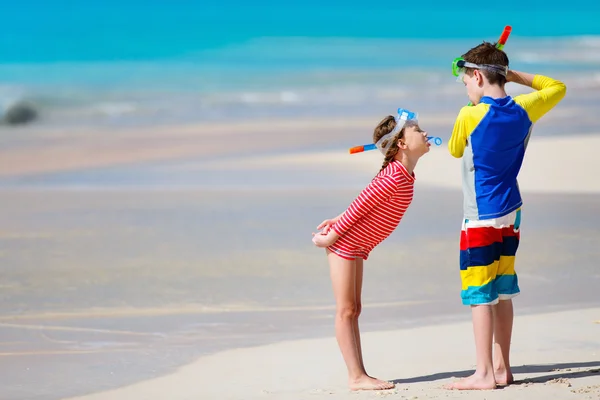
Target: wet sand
x,y
120,286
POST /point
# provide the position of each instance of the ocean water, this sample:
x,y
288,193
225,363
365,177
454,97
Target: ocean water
x,y
134,62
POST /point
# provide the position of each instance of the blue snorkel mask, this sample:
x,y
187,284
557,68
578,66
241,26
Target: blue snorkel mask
x,y
385,142
400,118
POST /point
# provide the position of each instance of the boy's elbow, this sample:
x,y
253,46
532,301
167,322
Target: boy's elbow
x,y
559,92
559,88
562,89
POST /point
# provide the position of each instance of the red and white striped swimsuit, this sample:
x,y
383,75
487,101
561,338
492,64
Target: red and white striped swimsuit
x,y
375,213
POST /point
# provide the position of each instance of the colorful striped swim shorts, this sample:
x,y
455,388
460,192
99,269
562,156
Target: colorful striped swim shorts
x,y
487,259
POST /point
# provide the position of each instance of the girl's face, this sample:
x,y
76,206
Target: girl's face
x,y
414,140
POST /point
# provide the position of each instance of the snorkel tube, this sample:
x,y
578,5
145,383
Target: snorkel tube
x,y
504,37
360,149
402,116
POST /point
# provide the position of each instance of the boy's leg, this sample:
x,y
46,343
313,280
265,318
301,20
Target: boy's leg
x,y
503,324
508,287
480,245
343,278
483,330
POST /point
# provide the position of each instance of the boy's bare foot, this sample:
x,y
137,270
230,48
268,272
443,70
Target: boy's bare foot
x,y
504,378
369,383
474,382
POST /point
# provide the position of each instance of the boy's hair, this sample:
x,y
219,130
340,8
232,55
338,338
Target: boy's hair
x,y
383,128
487,53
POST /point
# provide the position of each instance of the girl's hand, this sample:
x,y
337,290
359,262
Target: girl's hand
x,y
325,226
322,239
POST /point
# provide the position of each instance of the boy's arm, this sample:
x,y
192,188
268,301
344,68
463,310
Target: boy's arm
x,y
460,133
548,93
466,122
379,190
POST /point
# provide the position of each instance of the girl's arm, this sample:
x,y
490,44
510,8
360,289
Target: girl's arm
x,y
326,225
379,190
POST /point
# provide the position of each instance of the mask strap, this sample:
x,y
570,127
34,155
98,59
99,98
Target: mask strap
x,y
500,69
403,115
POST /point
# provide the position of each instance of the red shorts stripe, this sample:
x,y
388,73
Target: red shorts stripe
x,y
480,237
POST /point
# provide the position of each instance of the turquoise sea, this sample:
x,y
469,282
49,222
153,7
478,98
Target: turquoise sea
x,y
138,62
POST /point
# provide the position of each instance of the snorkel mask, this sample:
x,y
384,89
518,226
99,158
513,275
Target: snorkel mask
x,y
400,118
459,66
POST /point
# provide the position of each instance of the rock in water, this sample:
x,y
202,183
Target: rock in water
x,y
19,113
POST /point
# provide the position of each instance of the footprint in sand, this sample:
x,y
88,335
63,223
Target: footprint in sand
x,y
560,381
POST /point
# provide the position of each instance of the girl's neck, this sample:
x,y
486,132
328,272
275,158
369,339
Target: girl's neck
x,y
409,162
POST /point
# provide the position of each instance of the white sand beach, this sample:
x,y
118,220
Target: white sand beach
x,y
555,356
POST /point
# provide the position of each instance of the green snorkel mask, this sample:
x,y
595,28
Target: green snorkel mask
x,y
459,66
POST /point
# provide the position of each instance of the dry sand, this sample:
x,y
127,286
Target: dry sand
x,y
552,164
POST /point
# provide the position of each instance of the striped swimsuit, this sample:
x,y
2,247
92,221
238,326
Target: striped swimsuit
x,y
375,213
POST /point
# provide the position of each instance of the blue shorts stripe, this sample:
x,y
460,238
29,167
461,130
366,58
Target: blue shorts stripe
x,y
507,284
474,295
479,256
510,245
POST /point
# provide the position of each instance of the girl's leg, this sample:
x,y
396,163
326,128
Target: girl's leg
x,y
343,277
358,290
344,281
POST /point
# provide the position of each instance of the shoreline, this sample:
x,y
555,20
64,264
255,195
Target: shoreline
x,y
547,168
312,369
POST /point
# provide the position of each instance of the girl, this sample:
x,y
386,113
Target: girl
x,y
370,218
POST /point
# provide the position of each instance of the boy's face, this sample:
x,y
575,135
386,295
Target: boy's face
x,y
415,140
474,81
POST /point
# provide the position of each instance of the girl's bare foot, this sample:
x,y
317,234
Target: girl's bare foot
x,y
369,383
474,382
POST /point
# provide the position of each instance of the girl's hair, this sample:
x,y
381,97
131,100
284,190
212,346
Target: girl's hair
x,y
383,128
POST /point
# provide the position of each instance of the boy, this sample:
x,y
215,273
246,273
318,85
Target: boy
x,y
491,137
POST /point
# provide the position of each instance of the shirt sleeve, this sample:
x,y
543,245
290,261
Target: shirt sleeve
x,y
548,93
468,119
460,133
378,191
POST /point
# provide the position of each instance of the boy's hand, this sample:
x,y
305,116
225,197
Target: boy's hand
x,y
510,76
522,78
325,239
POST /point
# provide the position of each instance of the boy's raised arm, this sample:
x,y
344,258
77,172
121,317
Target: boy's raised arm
x,y
548,93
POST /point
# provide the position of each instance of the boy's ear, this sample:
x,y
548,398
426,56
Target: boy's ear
x,y
479,76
